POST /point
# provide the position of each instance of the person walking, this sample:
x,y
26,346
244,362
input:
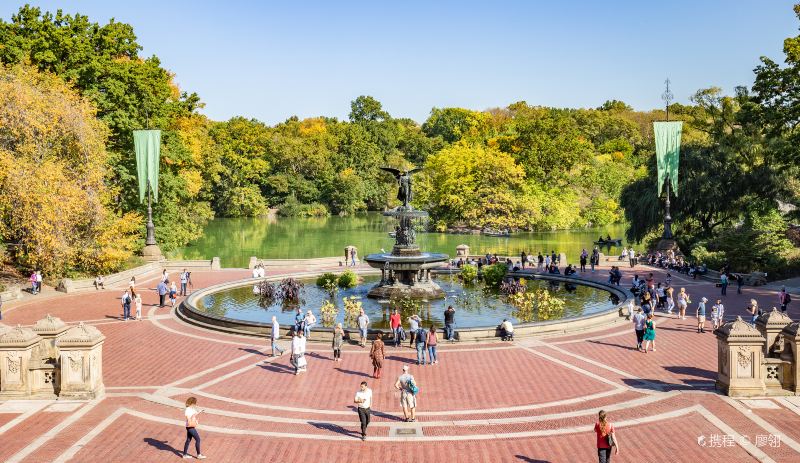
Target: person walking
x,y
419,343
754,311
784,299
595,259
432,340
191,412
632,256
606,438
354,256
126,305
413,326
298,353
522,258
739,282
39,280
540,262
683,303
377,355
32,279
363,326
649,333
132,282
396,324
173,294
274,335
308,322
584,255
184,281
449,323
137,301
639,320
670,299
164,276
701,316
162,292
338,340
408,394
723,281
363,401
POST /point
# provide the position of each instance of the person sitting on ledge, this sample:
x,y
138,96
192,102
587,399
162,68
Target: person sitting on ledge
x,y
506,330
553,270
98,282
570,270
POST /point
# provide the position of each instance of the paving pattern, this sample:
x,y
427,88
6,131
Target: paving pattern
x,y
534,400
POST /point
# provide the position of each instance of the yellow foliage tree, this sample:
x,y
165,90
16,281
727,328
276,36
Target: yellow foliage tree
x,y
53,195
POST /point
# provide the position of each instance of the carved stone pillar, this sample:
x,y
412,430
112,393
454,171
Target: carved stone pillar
x,y
81,361
462,250
740,351
791,339
16,346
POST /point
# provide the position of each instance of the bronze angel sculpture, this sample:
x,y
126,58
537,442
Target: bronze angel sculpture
x,y
403,178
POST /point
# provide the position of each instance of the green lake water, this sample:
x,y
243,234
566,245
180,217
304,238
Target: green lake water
x,y
235,240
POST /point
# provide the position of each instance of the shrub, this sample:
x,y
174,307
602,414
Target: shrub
x,y
348,279
494,274
536,305
327,281
469,273
328,311
290,290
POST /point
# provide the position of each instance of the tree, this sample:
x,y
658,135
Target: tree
x,y
54,202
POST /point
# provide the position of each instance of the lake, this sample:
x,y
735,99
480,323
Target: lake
x,y
235,240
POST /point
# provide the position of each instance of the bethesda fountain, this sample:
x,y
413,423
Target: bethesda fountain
x,y
406,271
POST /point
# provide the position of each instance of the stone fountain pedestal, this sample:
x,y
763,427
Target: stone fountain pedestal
x,y
406,271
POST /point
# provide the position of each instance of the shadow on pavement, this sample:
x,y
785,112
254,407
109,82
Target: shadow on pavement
x,y
163,446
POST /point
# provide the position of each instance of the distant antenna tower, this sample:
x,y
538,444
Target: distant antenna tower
x,y
667,97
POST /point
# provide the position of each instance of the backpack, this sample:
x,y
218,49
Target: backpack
x,y
412,387
787,299
421,337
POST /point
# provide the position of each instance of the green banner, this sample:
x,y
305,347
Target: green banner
x,y
148,152
668,150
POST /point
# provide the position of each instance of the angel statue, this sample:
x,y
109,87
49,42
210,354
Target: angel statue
x,y
404,179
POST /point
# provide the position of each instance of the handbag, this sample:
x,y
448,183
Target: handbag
x,y
302,362
610,440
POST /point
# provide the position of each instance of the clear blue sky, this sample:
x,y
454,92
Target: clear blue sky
x,y
272,60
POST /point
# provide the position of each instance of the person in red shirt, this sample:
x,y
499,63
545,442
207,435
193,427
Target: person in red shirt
x,y
606,438
396,325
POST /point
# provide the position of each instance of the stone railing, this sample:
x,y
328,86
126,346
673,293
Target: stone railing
x,y
758,360
317,262
68,285
51,360
192,265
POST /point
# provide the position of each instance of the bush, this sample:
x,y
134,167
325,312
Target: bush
x,y
348,279
469,273
294,208
327,281
714,260
494,274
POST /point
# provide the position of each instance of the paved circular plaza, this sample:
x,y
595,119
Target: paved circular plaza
x,y
533,400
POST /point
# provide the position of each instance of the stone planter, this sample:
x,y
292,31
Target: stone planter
x,y
16,349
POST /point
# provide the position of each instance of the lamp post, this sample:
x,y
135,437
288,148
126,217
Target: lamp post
x,y
667,97
151,229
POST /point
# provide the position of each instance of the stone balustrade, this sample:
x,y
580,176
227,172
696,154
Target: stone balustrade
x,y
51,360
757,360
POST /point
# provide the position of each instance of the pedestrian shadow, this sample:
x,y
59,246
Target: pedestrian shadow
x,y
397,358
163,446
530,460
115,317
253,351
612,344
378,413
661,386
354,373
335,428
687,330
278,368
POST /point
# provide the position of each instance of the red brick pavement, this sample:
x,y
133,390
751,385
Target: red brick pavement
x,y
474,379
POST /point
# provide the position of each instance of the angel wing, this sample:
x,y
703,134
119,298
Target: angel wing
x,y
393,171
409,172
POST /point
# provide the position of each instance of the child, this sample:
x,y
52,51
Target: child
x,y
701,316
717,314
173,292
